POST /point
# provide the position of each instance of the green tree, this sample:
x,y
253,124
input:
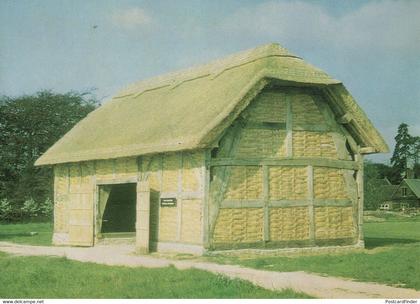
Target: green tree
x,y
374,184
416,170
402,151
371,175
29,125
415,150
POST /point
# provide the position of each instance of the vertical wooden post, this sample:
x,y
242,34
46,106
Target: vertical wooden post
x,y
143,217
311,210
289,128
95,190
266,191
206,200
55,210
216,197
179,197
360,196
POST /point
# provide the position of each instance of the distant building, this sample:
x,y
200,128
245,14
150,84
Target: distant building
x,y
404,195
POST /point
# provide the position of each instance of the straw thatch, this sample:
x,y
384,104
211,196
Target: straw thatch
x,y
191,108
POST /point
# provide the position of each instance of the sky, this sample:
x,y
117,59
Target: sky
x,y
372,46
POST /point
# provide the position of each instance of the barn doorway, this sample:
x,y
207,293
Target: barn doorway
x,y
117,210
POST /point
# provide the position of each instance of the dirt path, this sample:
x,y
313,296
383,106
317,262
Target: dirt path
x,y
314,285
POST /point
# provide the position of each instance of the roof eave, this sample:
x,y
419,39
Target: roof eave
x,y
354,119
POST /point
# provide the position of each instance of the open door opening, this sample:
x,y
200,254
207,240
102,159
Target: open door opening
x,y
117,210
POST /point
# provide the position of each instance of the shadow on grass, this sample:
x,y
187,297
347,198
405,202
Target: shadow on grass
x,y
13,236
371,243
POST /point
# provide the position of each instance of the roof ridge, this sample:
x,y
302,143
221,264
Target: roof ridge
x,y
215,67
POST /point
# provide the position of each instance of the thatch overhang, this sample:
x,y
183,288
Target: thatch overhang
x,y
190,109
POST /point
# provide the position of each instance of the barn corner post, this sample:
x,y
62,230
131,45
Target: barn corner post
x,y
206,193
143,217
360,197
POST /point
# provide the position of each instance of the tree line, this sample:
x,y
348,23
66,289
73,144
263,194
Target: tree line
x,y
29,125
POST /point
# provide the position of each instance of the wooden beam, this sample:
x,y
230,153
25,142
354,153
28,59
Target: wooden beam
x,y
289,127
340,145
288,203
145,167
339,133
316,162
261,203
367,150
352,192
143,217
360,192
96,225
241,204
160,175
345,119
218,188
311,213
330,108
182,195
326,112
206,190
285,203
362,134
178,195
311,127
332,202
265,125
358,133
266,193
117,181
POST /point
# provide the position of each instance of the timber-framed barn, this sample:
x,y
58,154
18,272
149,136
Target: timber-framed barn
x,y
256,150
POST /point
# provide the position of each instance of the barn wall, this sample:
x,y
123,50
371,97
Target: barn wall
x,y
255,201
181,176
74,203
175,175
61,203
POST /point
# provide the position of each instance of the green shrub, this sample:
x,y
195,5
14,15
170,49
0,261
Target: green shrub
x,y
30,208
47,208
6,210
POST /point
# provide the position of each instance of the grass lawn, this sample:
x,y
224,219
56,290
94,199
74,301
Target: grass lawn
x,y
20,233
49,277
391,233
391,255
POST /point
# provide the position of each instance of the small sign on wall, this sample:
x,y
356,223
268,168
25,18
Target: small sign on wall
x,y
168,202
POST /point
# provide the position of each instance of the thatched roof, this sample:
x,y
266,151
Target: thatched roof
x,y
189,109
383,182
387,191
414,185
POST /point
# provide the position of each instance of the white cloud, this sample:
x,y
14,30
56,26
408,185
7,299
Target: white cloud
x,y
131,18
391,25
379,25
